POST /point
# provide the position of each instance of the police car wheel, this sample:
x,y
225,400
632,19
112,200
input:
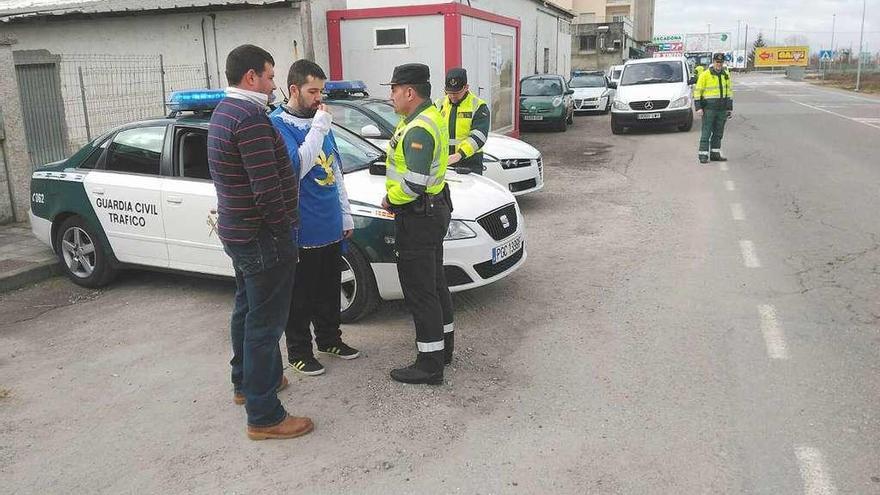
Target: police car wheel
x,y
359,295
82,254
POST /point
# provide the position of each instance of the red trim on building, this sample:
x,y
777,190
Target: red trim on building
x,y
452,13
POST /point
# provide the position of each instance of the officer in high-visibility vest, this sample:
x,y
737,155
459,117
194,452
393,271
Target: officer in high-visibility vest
x,y
713,96
467,117
418,196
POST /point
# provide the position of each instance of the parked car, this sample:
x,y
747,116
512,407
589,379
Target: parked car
x,y
546,100
514,164
591,91
141,195
653,92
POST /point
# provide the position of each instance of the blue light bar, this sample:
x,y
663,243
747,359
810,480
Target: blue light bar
x,y
195,99
345,87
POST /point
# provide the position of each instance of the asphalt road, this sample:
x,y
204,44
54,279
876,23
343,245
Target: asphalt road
x,y
678,328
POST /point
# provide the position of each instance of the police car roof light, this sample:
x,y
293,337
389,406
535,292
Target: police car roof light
x,y
195,100
346,87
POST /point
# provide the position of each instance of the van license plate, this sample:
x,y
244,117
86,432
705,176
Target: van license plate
x,y
645,116
506,250
533,117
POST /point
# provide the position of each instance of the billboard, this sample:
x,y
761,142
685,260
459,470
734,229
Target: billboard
x,y
782,56
669,45
708,42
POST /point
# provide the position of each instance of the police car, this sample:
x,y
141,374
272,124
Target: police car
x,y
510,162
141,195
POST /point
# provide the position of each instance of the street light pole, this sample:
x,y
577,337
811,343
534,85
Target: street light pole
x,y
861,40
775,24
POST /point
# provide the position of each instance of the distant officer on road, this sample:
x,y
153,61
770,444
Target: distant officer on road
x,y
467,117
713,96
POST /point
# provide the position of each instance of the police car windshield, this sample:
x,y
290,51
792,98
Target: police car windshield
x,y
659,72
541,86
385,111
587,82
356,154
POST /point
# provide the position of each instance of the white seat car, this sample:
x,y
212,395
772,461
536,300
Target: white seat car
x,y
141,196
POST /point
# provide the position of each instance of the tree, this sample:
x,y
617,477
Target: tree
x,y
759,42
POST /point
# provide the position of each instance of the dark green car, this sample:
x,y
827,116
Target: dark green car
x,y
545,100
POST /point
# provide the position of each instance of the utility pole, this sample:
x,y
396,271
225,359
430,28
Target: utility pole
x,y
737,35
861,40
775,25
746,49
833,22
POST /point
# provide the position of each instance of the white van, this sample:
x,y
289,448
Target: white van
x,y
653,92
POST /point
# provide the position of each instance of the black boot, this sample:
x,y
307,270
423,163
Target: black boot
x,y
427,369
716,157
704,159
448,347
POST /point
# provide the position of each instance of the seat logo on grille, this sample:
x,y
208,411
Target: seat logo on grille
x,y
505,222
649,105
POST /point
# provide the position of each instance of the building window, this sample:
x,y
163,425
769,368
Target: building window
x,y
546,60
588,43
396,37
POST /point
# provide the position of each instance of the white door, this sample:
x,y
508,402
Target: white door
x,y
125,194
189,207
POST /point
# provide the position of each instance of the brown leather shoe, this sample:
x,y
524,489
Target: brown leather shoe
x,y
238,397
291,427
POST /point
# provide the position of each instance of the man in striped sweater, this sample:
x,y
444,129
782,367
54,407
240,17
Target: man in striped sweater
x,y
257,207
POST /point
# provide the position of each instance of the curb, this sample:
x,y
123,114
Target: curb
x,y
16,279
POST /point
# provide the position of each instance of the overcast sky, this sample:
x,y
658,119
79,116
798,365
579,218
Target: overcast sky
x,y
810,19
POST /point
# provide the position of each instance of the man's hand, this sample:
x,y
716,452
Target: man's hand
x,y
346,234
454,158
385,203
699,112
322,119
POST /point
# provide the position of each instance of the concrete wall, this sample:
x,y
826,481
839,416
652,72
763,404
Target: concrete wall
x,y
599,59
643,20
16,170
361,60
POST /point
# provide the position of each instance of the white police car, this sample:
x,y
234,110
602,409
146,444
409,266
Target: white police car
x,y
514,164
141,196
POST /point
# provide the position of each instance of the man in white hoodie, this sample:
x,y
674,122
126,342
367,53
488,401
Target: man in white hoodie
x,y
325,220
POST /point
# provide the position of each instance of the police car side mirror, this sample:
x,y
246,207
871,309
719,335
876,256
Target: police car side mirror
x,y
377,168
370,131
612,85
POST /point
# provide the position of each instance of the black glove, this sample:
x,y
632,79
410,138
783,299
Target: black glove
x,y
729,114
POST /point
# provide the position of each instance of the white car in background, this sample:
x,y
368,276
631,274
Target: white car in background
x,y
514,164
591,91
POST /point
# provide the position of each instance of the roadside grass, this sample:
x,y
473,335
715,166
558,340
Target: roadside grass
x,y
870,83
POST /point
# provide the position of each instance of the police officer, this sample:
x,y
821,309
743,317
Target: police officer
x,y
417,193
467,117
713,96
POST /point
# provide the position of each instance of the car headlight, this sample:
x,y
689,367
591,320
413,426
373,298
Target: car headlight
x,y
489,158
459,230
557,101
619,105
684,101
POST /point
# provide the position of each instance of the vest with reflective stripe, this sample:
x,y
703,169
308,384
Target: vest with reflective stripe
x,y
397,173
707,87
460,137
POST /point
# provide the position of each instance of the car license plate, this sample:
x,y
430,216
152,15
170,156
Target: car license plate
x,y
533,117
506,250
644,116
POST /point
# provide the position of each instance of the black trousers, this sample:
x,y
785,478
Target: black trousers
x,y
315,301
419,243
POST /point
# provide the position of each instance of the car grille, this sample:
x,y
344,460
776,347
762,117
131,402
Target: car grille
x,y
487,270
515,163
495,226
456,276
522,185
656,105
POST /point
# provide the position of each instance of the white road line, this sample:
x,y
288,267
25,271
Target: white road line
x,y
729,185
817,481
853,119
736,210
723,167
774,338
750,259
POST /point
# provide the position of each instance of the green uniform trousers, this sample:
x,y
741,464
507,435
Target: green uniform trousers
x,y
713,130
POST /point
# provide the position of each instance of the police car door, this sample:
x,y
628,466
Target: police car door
x,y
189,204
124,190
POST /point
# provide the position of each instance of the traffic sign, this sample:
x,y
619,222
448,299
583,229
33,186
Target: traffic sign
x,y
826,55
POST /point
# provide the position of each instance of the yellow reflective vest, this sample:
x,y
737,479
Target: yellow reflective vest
x,y
400,181
714,88
463,139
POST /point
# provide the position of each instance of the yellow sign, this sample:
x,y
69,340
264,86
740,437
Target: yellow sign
x,y
782,56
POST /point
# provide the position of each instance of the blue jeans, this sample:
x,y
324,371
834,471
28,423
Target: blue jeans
x,y
264,271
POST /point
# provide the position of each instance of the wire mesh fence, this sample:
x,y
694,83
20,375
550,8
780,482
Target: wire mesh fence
x,y
93,94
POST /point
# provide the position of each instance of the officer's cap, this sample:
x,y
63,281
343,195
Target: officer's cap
x,y
410,74
718,57
456,79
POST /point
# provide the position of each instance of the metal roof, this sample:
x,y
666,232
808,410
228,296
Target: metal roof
x,y
15,10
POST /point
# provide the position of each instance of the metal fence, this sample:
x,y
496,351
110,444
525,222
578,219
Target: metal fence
x,y
93,94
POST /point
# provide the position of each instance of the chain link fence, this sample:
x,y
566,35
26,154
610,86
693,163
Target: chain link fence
x,y
69,99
